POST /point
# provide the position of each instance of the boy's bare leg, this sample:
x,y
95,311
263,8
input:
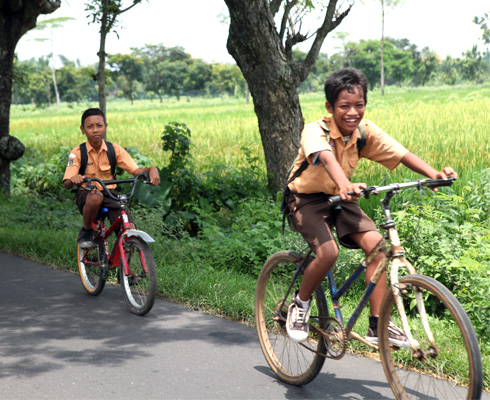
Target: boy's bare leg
x,y
367,241
91,207
326,256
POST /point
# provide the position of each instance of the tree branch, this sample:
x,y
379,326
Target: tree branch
x,y
274,6
135,2
285,17
329,24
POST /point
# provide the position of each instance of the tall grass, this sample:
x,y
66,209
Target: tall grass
x,y
444,126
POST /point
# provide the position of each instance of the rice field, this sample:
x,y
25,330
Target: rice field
x,y
447,126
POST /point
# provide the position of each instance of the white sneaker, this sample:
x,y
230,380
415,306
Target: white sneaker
x,y
297,321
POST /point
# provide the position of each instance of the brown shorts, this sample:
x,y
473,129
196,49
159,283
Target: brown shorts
x,y
314,216
113,205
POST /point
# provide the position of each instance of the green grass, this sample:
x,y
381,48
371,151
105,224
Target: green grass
x,y
444,126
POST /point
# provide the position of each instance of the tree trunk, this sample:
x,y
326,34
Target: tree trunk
x,y
272,84
382,48
272,76
16,18
102,55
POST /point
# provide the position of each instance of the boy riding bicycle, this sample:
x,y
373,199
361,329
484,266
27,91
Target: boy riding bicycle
x,y
98,165
332,148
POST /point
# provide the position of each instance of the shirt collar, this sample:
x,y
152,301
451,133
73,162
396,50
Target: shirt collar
x,y
90,148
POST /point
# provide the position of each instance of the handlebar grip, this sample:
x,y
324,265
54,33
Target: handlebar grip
x,y
334,200
432,183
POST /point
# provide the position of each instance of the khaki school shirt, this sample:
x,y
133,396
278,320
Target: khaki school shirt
x,y
98,165
380,147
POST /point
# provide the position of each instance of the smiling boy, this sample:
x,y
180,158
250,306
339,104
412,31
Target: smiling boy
x,y
331,149
94,126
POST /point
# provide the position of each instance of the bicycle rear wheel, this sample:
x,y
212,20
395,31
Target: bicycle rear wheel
x,y
453,370
140,286
294,363
89,268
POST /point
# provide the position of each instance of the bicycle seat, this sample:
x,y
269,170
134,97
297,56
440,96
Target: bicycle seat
x,y
102,213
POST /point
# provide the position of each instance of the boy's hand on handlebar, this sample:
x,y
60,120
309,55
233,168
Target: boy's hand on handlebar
x,y
352,192
77,180
446,173
154,177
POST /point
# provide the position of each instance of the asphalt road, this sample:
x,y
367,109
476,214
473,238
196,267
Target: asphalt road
x,y
57,342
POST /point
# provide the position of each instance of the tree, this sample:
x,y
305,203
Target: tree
x,y
105,13
483,22
472,65
153,57
129,70
16,18
387,3
264,53
426,66
52,24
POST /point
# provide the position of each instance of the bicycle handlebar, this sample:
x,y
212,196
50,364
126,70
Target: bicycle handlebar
x,y
134,180
375,190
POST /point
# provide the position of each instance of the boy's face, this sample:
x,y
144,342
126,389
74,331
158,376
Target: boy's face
x,y
95,128
348,110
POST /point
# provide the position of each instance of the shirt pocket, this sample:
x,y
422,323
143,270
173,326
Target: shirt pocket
x,y
105,171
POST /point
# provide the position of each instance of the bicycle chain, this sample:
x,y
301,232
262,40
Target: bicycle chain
x,y
334,336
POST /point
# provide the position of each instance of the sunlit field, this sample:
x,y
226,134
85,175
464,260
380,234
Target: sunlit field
x,y
444,126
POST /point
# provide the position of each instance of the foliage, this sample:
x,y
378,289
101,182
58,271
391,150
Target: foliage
x,y
128,70
176,138
483,22
33,174
447,236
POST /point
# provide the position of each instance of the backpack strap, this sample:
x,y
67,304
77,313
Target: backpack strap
x,y
111,155
83,158
362,141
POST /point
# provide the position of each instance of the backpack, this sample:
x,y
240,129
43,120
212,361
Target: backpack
x,y
111,155
286,192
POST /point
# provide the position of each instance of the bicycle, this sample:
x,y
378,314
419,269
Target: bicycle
x,y
410,372
130,252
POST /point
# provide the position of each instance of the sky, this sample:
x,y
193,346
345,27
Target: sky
x,y
445,26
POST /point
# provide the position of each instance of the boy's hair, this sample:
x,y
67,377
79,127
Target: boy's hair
x,y
92,111
345,79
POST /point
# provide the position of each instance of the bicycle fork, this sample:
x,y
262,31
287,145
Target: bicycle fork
x,y
398,292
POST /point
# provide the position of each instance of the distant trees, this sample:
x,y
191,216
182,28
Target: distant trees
x,y
147,72
158,72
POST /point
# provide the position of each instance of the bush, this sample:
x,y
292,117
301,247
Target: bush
x,y
447,237
33,174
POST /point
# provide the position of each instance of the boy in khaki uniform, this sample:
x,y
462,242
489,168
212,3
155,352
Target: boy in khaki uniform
x,y
330,166
94,126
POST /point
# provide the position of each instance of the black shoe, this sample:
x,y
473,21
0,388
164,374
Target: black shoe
x,y
85,239
396,336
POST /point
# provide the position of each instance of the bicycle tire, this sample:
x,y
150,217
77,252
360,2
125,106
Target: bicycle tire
x,y
89,268
456,370
140,286
294,363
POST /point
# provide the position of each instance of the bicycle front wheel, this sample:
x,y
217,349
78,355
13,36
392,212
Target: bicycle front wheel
x,y
294,363
90,269
140,286
449,368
